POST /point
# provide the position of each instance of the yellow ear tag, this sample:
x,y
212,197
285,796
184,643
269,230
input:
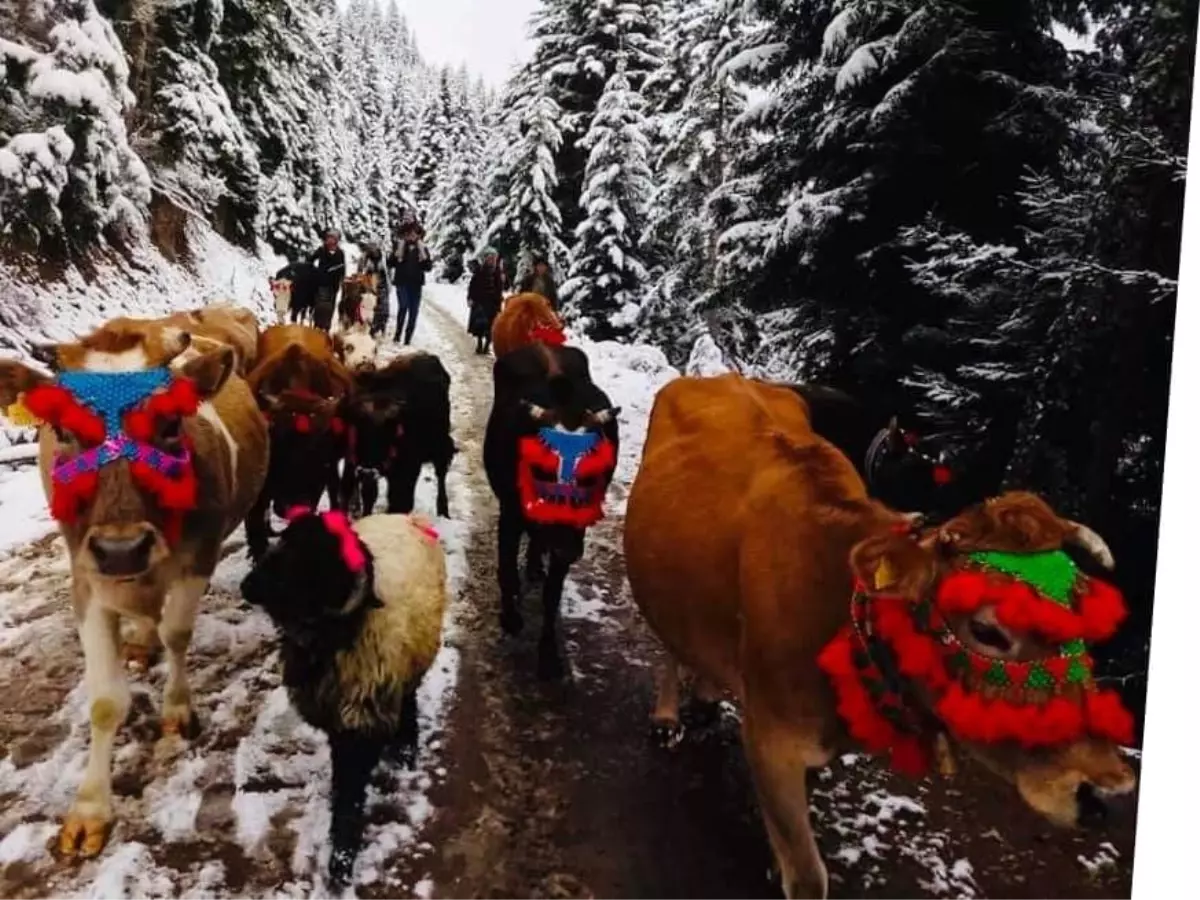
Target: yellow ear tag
x,y
20,415
884,575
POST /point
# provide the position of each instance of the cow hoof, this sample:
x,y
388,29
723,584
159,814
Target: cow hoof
x,y
83,836
139,657
182,724
666,733
511,622
535,574
341,870
702,713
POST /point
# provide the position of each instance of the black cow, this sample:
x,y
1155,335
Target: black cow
x,y
550,453
894,463
304,289
399,420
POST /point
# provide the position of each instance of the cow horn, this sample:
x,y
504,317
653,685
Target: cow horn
x,y
1084,537
537,413
269,401
604,416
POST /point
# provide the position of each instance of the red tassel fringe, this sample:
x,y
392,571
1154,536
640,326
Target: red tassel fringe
x,y
55,404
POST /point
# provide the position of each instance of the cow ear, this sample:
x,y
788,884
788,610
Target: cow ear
x,y
46,354
895,563
17,378
210,371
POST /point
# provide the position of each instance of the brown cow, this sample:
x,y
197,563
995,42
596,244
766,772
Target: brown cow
x,y
744,537
143,537
525,318
209,327
355,290
301,387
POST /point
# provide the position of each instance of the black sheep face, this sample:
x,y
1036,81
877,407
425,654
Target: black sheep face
x,y
305,586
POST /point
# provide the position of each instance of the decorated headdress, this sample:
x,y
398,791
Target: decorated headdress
x,y
562,476
112,415
898,656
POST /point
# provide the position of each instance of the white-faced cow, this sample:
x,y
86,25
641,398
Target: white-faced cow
x,y
147,470
757,556
550,452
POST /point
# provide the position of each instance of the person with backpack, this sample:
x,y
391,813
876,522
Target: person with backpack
x,y
409,263
330,263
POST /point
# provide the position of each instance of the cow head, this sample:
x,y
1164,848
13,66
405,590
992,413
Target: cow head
x,y
117,445
315,582
355,349
377,417
974,635
308,437
563,471
901,470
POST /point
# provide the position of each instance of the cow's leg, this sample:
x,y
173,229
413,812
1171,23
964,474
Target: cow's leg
x,y
535,562
409,729
402,485
441,467
140,646
256,527
332,480
85,828
354,758
779,762
349,481
368,485
508,544
705,706
178,620
665,727
550,662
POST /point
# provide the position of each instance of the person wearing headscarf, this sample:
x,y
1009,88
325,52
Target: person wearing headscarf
x,y
485,295
541,281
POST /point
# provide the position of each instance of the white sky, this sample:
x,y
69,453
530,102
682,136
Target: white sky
x,y
487,35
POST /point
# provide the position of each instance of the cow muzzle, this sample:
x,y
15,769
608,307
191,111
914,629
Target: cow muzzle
x,y
128,552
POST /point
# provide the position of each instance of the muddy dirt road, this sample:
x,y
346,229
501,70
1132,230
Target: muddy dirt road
x,y
524,788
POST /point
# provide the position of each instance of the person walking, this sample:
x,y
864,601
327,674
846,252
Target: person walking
x,y
330,263
484,296
409,263
541,281
372,263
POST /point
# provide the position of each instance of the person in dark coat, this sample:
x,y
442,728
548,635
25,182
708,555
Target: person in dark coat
x,y
330,263
541,281
408,264
484,295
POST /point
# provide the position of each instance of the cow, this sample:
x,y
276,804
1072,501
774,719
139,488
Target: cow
x,y
550,452
355,290
281,292
301,387
525,318
147,470
757,557
355,349
299,282
399,419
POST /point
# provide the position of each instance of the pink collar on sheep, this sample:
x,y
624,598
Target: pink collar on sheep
x,y
339,526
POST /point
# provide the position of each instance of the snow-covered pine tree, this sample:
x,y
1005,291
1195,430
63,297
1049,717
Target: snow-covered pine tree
x,y
457,220
68,175
606,280
431,148
694,104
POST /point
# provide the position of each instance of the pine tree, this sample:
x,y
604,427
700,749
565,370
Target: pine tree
x,y
68,174
606,279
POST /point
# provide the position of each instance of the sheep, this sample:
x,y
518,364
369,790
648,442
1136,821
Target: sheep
x,y
359,611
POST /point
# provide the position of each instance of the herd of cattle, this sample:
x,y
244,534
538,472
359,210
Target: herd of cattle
x,y
756,547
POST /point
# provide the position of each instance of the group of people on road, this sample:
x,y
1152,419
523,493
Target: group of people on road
x,y
485,293
405,269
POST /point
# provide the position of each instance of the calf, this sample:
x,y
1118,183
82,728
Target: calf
x,y
147,470
525,318
355,349
550,452
301,387
757,557
350,309
399,420
281,291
